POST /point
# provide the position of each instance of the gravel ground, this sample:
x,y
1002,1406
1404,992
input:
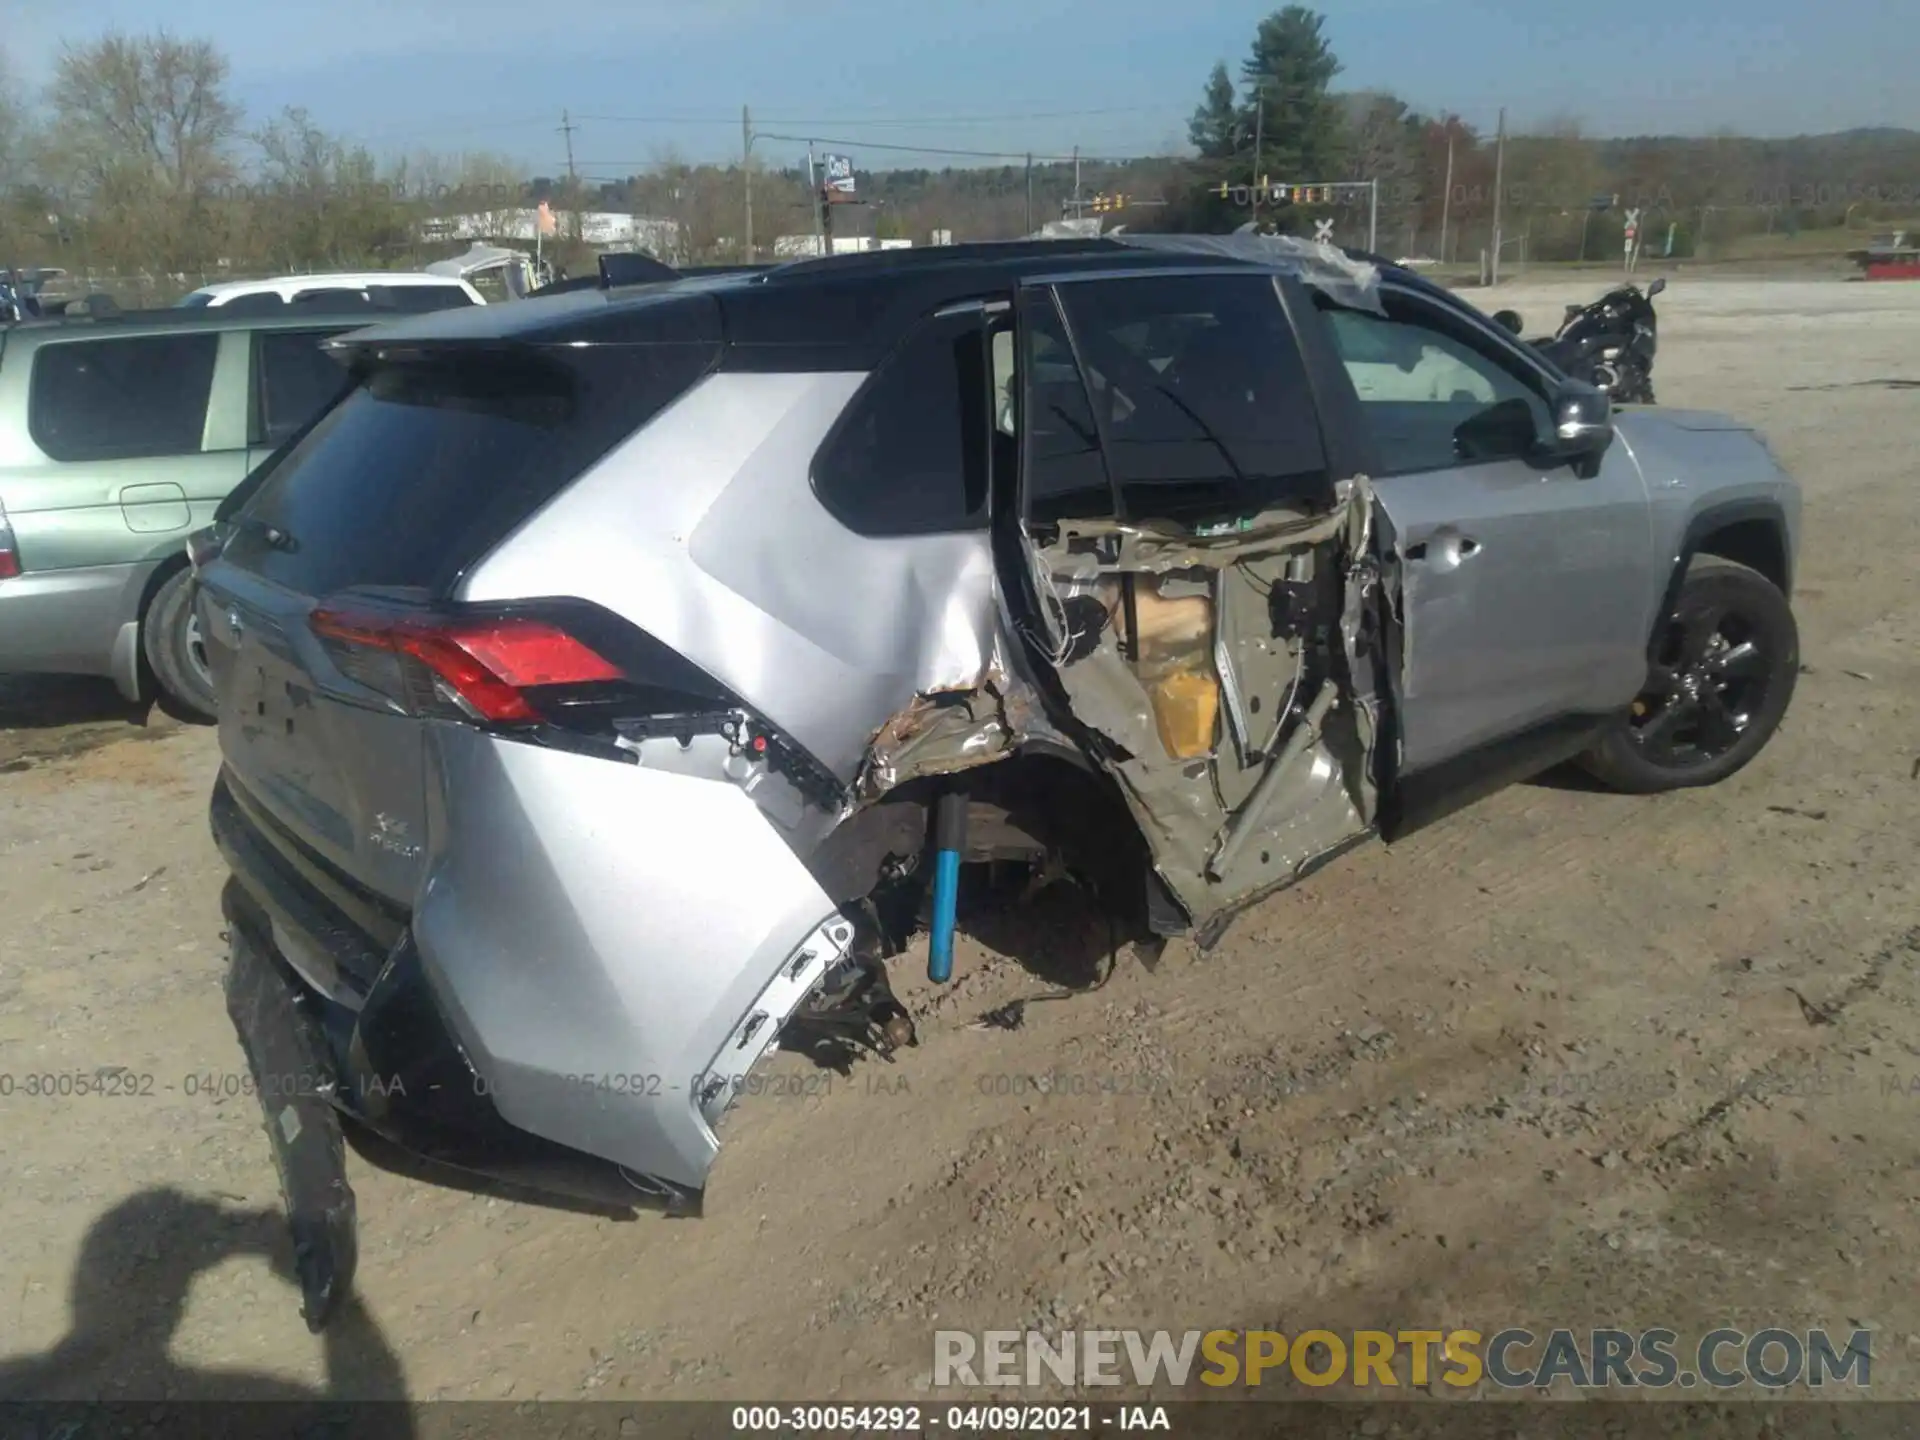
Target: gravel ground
x,y
1566,1059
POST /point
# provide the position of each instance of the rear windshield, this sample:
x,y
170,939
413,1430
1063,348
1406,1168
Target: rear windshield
x,y
426,465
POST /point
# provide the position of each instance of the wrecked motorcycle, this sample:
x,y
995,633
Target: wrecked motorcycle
x,y
1609,344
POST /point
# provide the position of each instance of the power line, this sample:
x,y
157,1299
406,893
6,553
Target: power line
x,y
851,121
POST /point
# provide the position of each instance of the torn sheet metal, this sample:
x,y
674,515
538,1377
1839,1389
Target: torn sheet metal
x,y
1337,275
943,732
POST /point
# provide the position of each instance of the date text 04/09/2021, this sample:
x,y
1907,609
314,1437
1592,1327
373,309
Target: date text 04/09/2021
x,y
899,1419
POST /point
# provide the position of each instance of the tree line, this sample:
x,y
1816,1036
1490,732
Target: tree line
x,y
135,159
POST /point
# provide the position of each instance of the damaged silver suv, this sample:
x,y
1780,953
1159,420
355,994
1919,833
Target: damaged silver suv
x,y
605,681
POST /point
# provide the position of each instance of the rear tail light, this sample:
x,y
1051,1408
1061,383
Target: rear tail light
x,y
488,669
9,554
556,672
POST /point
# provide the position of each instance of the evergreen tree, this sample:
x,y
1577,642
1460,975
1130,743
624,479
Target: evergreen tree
x,y
1288,74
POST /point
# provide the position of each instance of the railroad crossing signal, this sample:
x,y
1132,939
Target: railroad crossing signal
x,y
1323,231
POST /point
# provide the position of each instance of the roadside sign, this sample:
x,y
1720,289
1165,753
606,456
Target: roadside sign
x,y
1323,231
839,176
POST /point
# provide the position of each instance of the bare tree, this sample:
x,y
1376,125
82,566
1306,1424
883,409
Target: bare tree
x,y
16,162
1383,143
147,102
142,130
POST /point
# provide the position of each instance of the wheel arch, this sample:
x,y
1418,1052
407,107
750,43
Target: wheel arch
x,y
145,683
1045,792
1748,532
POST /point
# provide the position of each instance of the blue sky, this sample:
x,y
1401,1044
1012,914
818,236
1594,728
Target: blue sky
x,y
643,77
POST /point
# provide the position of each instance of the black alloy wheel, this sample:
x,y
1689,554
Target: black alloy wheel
x,y
1722,674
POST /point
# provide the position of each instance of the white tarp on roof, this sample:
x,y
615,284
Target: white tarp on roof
x,y
1346,281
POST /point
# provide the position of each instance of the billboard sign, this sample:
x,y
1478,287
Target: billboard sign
x,y
838,182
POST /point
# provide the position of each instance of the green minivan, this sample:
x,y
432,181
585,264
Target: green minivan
x,y
119,435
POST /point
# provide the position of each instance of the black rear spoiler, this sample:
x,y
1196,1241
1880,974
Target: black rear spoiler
x,y
629,268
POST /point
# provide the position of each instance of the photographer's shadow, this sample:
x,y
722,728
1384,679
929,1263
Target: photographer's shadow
x,y
129,1292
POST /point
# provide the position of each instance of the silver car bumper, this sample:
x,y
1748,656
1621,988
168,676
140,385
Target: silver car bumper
x,y
612,946
79,621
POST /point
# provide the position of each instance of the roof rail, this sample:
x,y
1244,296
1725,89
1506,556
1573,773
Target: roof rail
x,y
976,252
101,308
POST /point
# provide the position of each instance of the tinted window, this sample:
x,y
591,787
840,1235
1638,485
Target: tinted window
x,y
332,299
119,398
420,299
1065,479
423,467
910,456
1202,394
293,379
1434,395
257,302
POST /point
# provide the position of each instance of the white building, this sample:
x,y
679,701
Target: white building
x,y
794,247
603,229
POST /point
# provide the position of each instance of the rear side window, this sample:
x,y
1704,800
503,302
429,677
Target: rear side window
x,y
332,299
257,302
420,299
293,378
1201,392
426,465
122,398
910,455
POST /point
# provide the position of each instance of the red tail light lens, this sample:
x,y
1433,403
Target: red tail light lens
x,y
485,666
9,557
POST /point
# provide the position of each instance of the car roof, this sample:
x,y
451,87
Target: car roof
x,y
839,312
342,280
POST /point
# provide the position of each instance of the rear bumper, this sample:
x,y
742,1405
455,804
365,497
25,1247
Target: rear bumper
x,y
70,622
598,955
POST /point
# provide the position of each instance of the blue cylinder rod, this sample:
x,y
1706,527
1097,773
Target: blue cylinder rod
x,y
950,840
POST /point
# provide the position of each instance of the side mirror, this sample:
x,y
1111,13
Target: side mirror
x,y
1656,287
1582,425
1508,320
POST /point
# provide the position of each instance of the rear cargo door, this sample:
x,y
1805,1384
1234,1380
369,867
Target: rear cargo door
x,y
430,461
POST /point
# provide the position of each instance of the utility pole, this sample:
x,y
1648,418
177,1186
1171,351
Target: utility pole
x,y
746,169
1446,200
567,127
1499,186
1373,217
1259,143
813,184
1030,192
1076,180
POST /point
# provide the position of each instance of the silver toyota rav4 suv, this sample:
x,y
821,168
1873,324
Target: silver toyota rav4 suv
x,y
606,681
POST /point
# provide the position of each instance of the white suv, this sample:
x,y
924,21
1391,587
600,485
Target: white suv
x,y
410,292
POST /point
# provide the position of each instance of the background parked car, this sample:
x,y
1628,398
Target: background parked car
x,y
406,291
118,437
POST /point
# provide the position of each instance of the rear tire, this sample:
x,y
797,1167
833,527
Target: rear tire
x,y
1725,666
171,639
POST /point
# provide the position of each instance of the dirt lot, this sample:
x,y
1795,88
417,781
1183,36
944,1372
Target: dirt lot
x,y
1566,1059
